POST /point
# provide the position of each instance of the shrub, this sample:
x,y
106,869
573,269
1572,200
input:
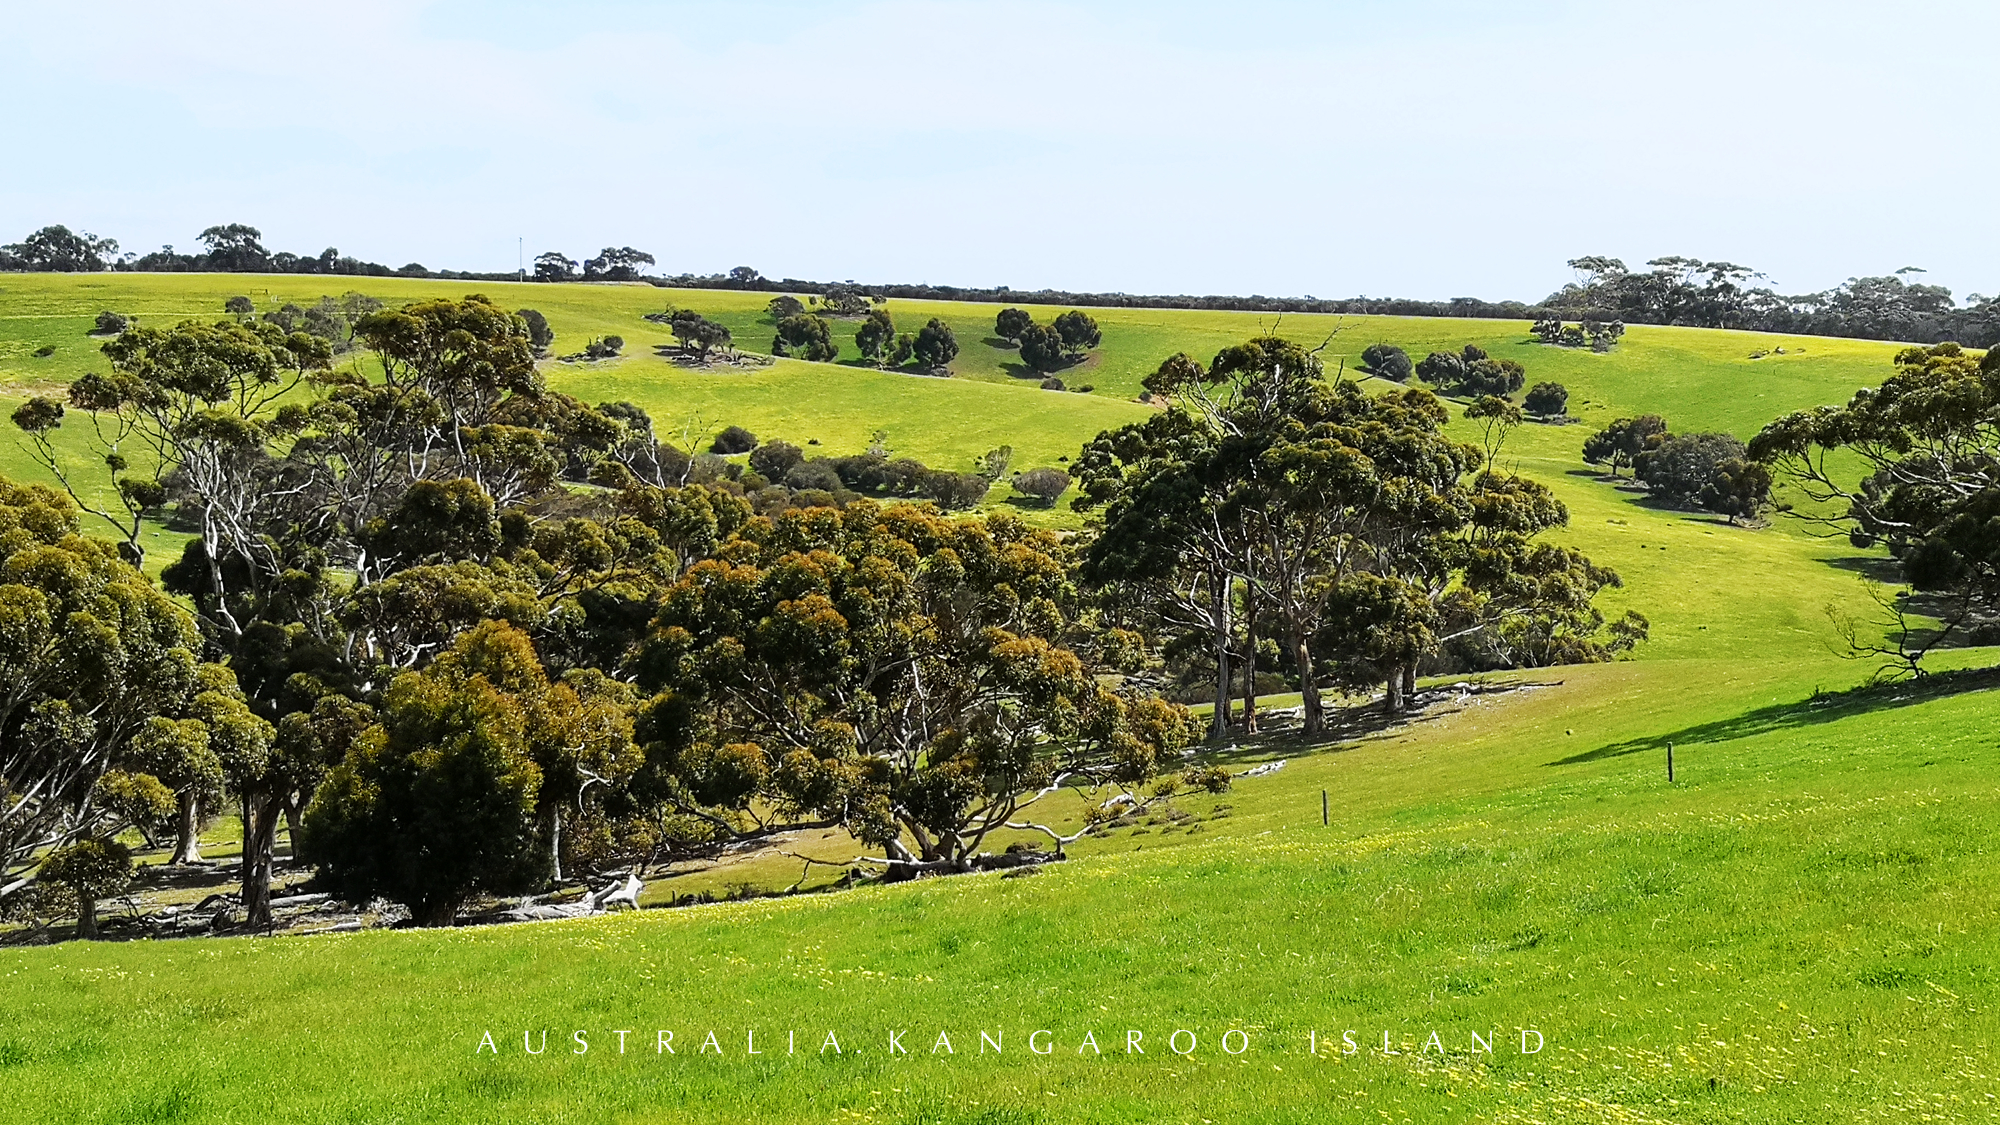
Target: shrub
x,y
1045,485
239,305
1622,441
1052,384
773,460
1010,323
604,348
1078,331
1549,400
111,323
436,802
1739,489
734,439
806,337
935,345
539,332
955,492
45,351
814,476
1387,361
785,306
1677,467
1441,369
89,869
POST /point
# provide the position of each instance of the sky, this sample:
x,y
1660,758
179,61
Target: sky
x,y
1411,148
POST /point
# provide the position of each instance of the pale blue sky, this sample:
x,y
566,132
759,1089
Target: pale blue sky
x,y
1428,148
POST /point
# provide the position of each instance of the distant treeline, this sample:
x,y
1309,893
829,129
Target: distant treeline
x,y
230,248
1672,290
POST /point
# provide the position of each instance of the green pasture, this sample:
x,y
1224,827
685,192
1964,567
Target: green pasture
x,y
1801,927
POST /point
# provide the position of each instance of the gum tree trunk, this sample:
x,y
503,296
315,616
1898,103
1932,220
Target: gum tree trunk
x,y
1219,601
86,917
1249,661
187,829
260,839
1315,714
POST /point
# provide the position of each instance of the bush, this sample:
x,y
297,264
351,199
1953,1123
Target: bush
x,y
806,337
240,306
786,306
604,348
1739,489
89,869
814,476
1677,467
773,460
1621,442
1078,331
436,802
1549,400
1387,361
1010,323
539,332
1441,369
111,324
1045,485
955,492
1052,384
734,439
45,351
935,345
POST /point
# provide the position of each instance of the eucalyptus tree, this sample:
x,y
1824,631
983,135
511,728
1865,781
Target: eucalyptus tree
x,y
1913,465
919,680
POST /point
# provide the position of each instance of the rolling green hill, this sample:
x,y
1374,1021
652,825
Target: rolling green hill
x,y
1802,927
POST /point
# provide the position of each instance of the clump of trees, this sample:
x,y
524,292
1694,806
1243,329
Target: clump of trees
x,y
1618,445
1269,505
1909,466
57,249
1547,401
1387,361
613,263
697,335
805,336
1472,373
1597,335
1708,471
1048,348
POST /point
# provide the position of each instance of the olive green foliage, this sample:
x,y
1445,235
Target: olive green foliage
x,y
906,676
806,336
92,656
1387,361
1547,400
1358,524
436,801
1927,441
1619,444
89,869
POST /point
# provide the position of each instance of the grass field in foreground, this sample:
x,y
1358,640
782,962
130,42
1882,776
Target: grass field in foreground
x,y
1801,928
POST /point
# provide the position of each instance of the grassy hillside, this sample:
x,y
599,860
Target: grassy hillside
x,y
1800,928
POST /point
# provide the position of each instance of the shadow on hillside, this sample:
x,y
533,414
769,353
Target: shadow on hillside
x,y
1820,708
1003,345
1875,569
1349,723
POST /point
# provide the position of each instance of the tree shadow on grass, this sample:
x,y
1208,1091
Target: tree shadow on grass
x,y
1820,708
1348,724
1884,570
